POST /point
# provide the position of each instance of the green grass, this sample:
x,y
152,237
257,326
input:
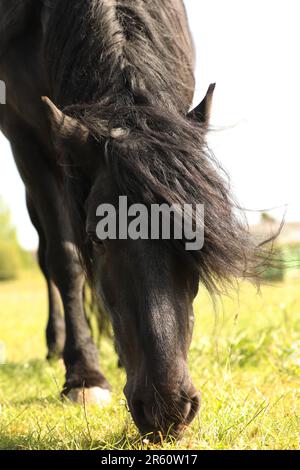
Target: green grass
x,y
245,358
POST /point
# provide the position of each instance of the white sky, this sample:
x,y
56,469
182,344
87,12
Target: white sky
x,y
251,48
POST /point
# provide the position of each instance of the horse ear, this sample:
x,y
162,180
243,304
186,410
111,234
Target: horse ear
x,y
202,112
67,130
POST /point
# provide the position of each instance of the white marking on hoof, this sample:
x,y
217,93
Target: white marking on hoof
x,y
90,396
61,363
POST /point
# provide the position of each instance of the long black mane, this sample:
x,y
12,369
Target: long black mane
x,y
124,65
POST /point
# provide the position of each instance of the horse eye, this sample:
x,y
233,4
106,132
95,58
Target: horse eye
x,y
92,236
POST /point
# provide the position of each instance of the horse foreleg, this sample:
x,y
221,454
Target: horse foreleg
x,y
84,381
55,331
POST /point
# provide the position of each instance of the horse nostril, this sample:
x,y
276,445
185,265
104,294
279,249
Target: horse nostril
x,y
194,406
187,407
143,416
149,415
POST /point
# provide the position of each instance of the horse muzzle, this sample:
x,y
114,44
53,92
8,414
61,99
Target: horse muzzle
x,y
158,411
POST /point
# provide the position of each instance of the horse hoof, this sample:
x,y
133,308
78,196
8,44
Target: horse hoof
x,y
90,396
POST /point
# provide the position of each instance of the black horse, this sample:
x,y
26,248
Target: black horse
x,y
120,73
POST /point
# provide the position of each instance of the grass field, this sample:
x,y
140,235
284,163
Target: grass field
x,y
245,358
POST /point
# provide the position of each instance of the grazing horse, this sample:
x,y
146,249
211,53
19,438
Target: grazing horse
x,y
98,99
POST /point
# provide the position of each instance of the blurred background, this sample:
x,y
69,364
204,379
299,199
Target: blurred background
x,y
250,49
245,355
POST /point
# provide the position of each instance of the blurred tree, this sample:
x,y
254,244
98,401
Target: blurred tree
x,y
10,251
7,230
